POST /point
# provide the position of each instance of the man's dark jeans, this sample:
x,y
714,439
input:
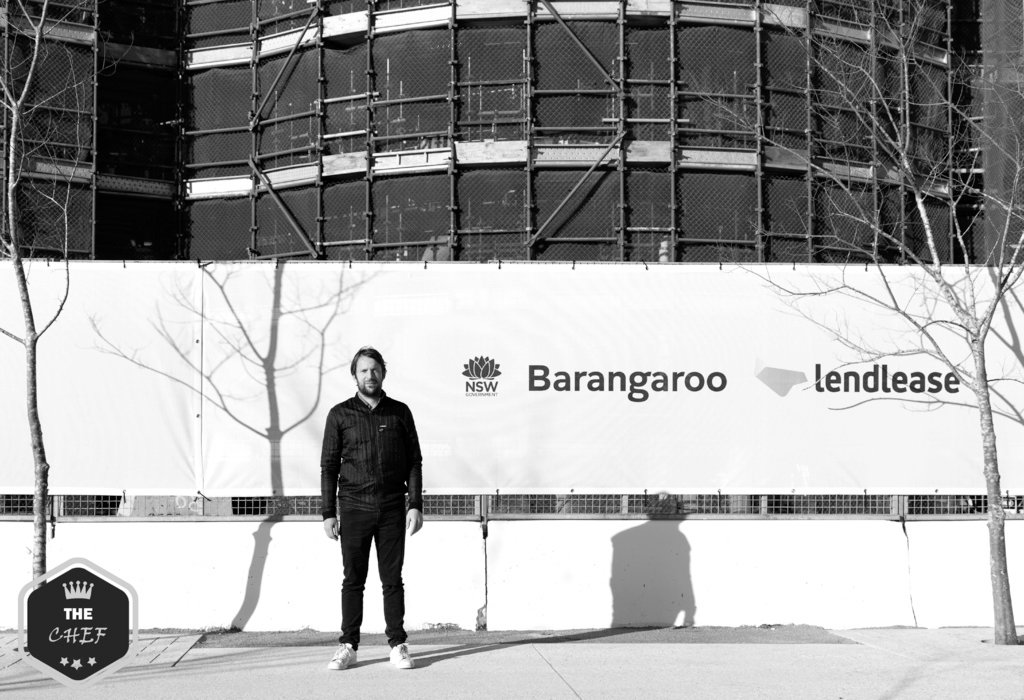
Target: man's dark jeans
x,y
358,529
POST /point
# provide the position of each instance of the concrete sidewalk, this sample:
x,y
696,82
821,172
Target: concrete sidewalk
x,y
881,663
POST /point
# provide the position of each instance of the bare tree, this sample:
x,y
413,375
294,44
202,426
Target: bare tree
x,y
898,135
47,72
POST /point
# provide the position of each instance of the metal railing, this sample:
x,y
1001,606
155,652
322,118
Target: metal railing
x,y
484,507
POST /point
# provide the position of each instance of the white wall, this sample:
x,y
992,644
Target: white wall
x,y
547,574
197,574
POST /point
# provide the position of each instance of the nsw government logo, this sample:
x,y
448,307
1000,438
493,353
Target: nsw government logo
x,y
482,373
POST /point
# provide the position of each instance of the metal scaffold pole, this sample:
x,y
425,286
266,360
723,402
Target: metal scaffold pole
x,y
453,77
370,87
809,128
760,244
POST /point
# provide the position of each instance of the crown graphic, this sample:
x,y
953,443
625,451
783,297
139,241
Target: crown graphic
x,y
78,590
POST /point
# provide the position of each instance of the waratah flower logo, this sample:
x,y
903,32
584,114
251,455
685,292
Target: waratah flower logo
x,y
481,368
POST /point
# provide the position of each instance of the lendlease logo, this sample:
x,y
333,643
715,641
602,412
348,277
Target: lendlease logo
x,y
881,380
482,372
638,384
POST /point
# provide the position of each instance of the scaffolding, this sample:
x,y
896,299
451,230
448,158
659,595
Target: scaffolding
x,y
615,130
53,166
97,160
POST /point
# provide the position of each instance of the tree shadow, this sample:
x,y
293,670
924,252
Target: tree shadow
x,y
650,579
249,358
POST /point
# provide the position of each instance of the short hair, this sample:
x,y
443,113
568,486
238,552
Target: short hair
x,y
373,354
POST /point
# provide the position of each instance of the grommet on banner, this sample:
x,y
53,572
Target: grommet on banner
x,y
574,264
499,263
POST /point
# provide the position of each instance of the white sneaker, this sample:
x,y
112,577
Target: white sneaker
x,y
400,656
344,657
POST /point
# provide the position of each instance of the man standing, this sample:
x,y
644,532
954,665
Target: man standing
x,y
370,459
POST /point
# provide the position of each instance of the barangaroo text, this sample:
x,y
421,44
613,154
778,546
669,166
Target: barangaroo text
x,y
639,384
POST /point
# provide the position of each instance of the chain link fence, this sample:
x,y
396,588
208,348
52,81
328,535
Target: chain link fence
x,y
492,84
412,75
575,99
345,220
286,224
717,216
717,76
219,229
55,218
492,215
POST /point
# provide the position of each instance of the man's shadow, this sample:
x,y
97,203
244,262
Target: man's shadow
x,y
650,580
651,588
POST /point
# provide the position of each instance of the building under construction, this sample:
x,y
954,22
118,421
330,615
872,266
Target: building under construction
x,y
611,130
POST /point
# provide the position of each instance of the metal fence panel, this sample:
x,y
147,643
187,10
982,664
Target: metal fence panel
x,y
219,229
409,212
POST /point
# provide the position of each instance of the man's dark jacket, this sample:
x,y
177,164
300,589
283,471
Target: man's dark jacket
x,y
370,457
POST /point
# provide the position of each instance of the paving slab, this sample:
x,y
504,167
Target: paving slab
x,y
871,664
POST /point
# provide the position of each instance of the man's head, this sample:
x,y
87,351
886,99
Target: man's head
x,y
368,370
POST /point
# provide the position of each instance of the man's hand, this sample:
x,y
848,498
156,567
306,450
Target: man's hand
x,y
331,528
413,521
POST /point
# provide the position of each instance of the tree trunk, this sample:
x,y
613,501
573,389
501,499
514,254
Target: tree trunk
x,y
40,496
1004,629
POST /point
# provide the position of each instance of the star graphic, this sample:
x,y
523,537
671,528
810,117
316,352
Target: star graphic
x,y
77,664
63,661
91,661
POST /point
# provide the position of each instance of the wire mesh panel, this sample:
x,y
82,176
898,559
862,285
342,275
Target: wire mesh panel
x,y
89,506
785,202
492,84
434,506
288,90
592,212
345,73
717,74
57,119
845,229
492,214
412,75
408,213
843,87
717,216
947,504
16,504
785,78
345,219
649,215
648,54
217,23
286,222
218,101
277,16
219,229
55,218
575,101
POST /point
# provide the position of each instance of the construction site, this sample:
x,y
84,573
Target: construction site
x,y
475,130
